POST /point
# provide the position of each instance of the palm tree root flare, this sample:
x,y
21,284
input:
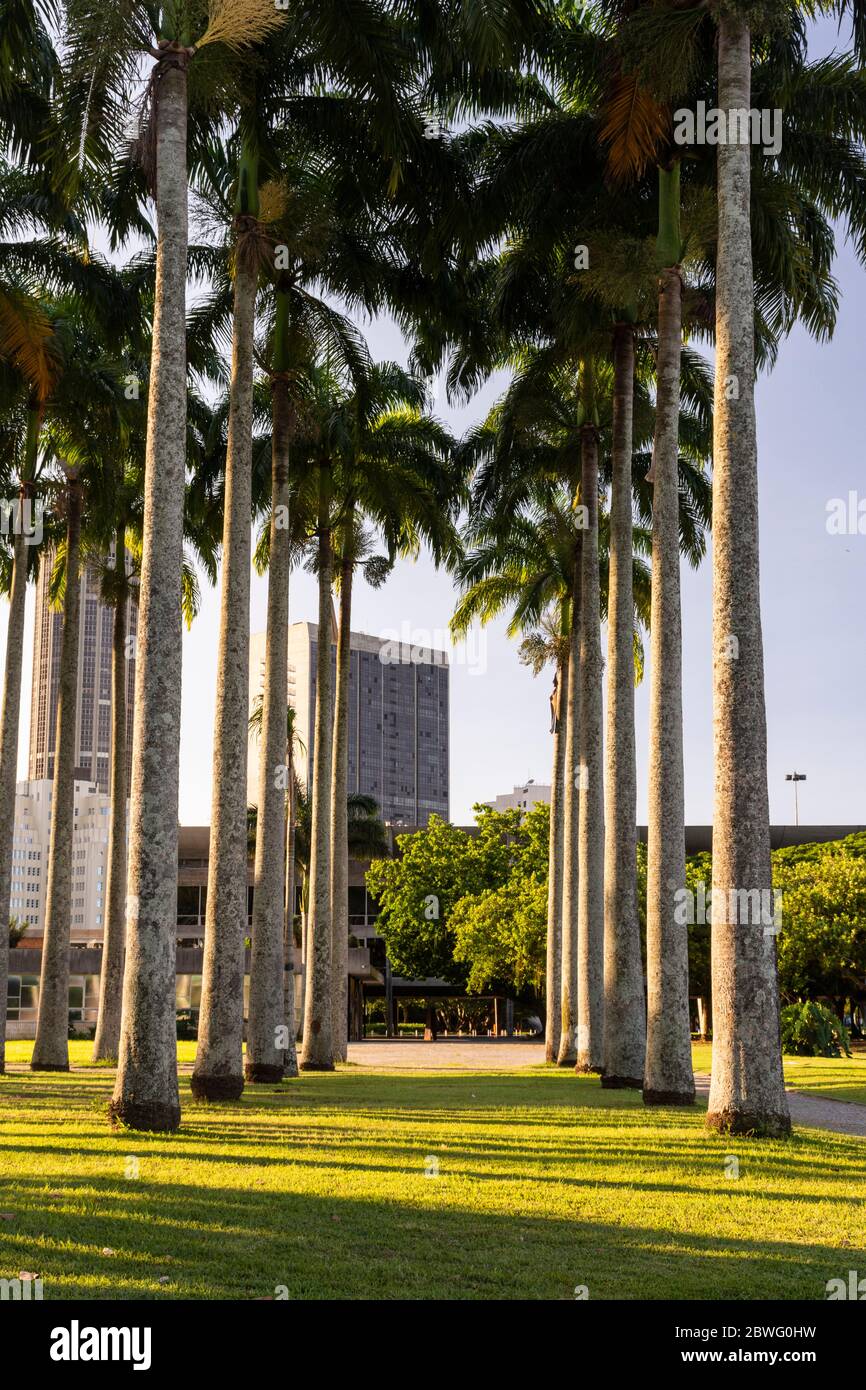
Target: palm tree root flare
x,y
260,1073
669,1097
153,1116
217,1087
742,1122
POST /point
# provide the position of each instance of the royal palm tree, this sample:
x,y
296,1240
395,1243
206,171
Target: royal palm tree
x,y
318,1050
85,406
272,982
391,469
218,1072
759,293
528,558
747,1092
28,464
551,644
369,75
118,587
189,52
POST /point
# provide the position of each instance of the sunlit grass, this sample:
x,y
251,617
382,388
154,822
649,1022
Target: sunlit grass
x,y
841,1078
545,1182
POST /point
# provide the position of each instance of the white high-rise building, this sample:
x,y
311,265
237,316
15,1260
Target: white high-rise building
x,y
31,840
93,691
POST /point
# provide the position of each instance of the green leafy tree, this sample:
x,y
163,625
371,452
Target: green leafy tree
x,y
434,868
501,933
822,943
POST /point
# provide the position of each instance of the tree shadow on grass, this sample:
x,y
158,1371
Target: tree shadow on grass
x,y
299,1215
224,1243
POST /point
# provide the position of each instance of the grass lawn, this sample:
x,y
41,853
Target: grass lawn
x,y
831,1078
545,1182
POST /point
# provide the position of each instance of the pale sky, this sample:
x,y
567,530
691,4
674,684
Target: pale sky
x,y
814,613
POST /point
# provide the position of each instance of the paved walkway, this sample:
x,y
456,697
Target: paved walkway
x,y
447,1054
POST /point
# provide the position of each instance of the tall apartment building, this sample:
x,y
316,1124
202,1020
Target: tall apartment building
x,y
31,840
93,697
398,720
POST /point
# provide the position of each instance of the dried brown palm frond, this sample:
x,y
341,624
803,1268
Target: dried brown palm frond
x,y
636,128
238,24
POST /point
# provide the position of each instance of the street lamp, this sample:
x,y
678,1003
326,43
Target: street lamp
x,y
795,777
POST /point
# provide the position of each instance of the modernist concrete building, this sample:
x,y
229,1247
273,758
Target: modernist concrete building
x,y
521,798
93,697
369,973
398,720
91,843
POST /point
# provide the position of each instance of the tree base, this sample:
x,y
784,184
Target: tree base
x,y
587,1069
154,1116
315,1066
262,1073
570,1062
217,1087
621,1083
668,1097
758,1125
49,1066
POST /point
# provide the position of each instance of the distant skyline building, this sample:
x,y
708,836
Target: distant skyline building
x,y
522,798
399,723
93,696
31,840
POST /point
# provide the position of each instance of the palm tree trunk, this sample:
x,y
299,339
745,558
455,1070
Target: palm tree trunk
x,y
290,1061
668,1076
107,1039
317,1052
339,819
51,1048
553,978
9,751
571,816
590,923
145,1093
624,1005
218,1073
268,1003
747,1094
305,942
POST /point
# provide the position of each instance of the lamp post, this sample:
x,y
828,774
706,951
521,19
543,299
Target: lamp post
x,y
795,777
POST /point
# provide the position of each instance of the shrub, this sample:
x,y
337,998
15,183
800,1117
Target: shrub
x,y
187,1025
17,928
811,1030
